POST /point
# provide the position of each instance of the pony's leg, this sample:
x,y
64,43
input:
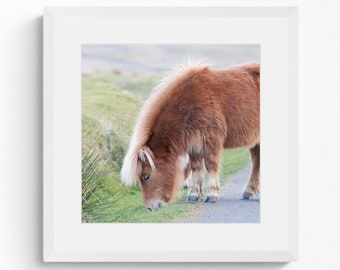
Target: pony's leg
x,y
212,159
187,177
196,180
253,186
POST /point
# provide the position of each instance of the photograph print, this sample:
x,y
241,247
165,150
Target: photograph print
x,y
170,133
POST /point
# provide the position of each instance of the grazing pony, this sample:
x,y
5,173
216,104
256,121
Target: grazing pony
x,y
190,117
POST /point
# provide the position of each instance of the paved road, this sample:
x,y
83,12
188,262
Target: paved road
x,y
229,208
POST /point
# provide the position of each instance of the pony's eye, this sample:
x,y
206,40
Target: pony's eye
x,y
146,177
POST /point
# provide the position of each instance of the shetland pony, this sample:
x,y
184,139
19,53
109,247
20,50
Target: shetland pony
x,y
190,117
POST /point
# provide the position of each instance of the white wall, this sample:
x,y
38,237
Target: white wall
x,y
21,136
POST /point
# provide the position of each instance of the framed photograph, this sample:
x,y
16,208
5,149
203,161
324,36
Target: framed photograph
x,y
153,121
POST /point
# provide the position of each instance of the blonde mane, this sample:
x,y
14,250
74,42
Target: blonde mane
x,y
157,100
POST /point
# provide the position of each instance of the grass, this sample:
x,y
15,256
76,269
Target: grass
x,y
137,84
108,115
232,161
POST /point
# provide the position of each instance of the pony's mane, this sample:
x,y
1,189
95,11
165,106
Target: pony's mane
x,y
157,100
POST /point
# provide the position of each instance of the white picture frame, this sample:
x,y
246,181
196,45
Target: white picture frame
x,y
275,239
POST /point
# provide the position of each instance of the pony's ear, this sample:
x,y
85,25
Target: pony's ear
x,y
145,156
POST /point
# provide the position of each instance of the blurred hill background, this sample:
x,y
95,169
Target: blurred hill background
x,y
156,59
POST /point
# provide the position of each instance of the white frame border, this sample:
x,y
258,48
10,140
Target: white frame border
x,y
51,254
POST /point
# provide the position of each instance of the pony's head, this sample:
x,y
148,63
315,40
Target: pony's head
x,y
160,178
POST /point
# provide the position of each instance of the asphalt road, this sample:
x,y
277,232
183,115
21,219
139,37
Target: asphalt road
x,y
229,208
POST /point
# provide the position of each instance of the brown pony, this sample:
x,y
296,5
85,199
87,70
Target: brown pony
x,y
186,123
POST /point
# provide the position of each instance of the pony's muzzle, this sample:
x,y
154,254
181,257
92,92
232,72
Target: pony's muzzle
x,y
154,206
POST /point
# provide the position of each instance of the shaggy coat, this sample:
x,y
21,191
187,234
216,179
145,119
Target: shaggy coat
x,y
190,117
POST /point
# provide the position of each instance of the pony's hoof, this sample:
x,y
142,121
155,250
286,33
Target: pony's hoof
x,y
192,198
246,196
210,199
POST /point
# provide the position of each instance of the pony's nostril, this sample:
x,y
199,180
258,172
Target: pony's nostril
x,y
159,204
149,209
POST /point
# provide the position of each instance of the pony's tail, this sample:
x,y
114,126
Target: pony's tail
x,y
253,69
